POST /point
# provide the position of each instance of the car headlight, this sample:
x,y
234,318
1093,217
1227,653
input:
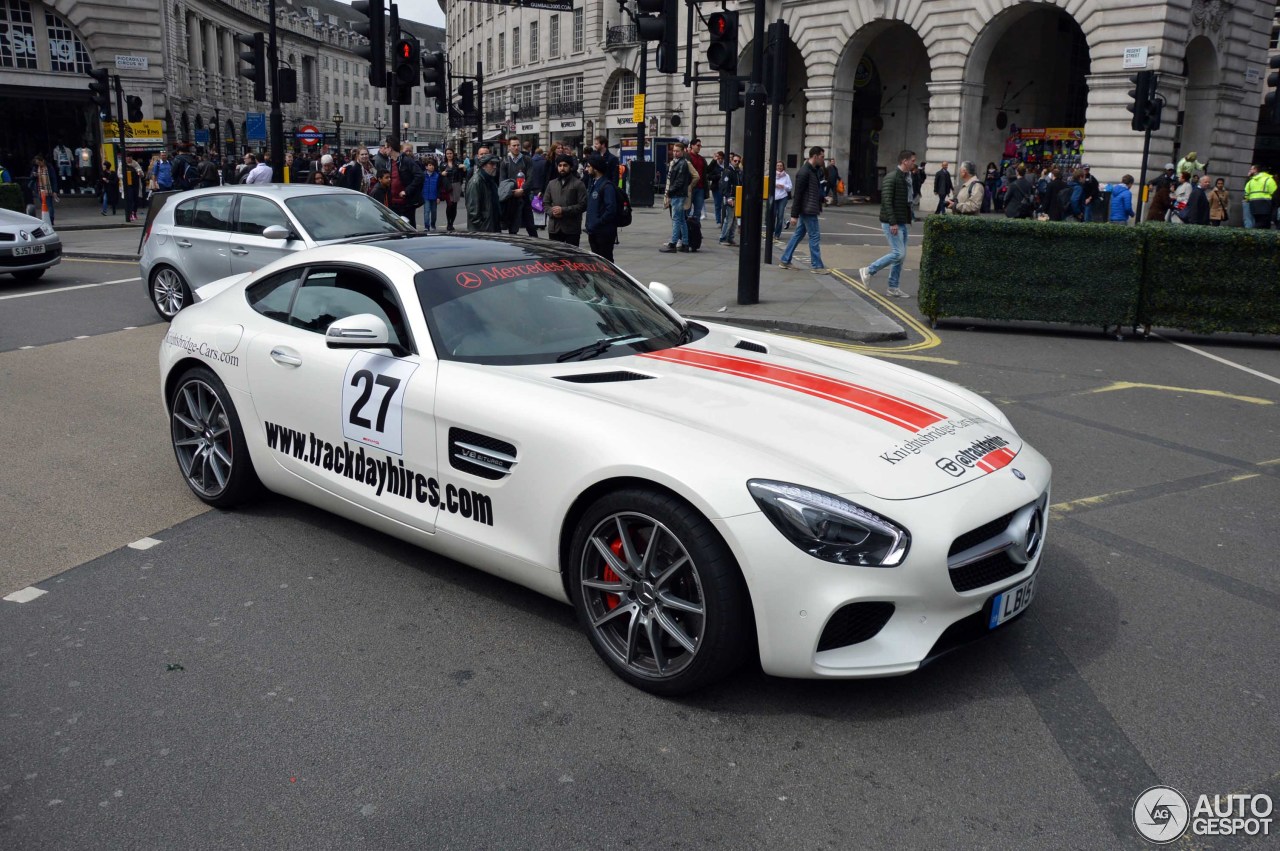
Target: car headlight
x,y
829,527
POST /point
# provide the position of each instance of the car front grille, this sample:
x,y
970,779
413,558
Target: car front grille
x,y
8,237
998,549
976,536
855,623
987,571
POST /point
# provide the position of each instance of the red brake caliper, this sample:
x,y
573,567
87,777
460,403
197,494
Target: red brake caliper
x,y
612,600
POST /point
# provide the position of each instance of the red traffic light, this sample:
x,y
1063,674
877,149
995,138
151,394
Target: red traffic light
x,y
718,24
406,50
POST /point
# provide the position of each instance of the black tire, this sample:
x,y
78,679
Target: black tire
x,y
208,442
168,291
649,632
29,274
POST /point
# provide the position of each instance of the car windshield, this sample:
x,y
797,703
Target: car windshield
x,y
342,215
544,311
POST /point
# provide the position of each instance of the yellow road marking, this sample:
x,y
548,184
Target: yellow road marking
x,y
929,341
1135,385
1061,508
862,348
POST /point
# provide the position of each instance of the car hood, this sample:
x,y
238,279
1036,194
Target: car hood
x,y
10,219
882,429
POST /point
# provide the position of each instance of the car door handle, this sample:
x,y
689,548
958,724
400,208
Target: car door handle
x,y
239,250
283,356
184,243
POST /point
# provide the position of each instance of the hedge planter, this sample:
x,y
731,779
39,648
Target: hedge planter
x,y
1206,279
1010,269
11,198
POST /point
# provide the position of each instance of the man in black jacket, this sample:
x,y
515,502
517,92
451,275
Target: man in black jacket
x,y
1020,200
730,179
895,221
942,186
1197,212
806,205
517,211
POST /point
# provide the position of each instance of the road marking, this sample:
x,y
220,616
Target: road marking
x,y
144,543
930,339
1225,477
1135,385
1233,364
68,289
97,260
26,595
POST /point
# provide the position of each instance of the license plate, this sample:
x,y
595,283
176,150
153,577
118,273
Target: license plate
x,y
26,250
1013,602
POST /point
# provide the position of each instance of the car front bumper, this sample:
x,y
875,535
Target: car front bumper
x,y
52,255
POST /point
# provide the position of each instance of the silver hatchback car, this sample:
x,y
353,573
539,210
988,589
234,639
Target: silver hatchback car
x,y
203,235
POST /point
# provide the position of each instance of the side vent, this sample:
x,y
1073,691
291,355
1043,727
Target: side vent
x,y
751,346
480,455
604,377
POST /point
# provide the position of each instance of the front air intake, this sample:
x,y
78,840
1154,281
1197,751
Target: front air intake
x,y
752,346
855,623
480,455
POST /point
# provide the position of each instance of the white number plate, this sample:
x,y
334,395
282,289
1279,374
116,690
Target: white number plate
x,y
1009,603
25,250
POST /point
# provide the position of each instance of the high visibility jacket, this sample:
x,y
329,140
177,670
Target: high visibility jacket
x,y
1261,185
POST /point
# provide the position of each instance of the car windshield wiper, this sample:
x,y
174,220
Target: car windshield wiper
x,y
599,347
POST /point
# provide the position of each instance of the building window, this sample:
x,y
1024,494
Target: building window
x,y
346,66
488,52
577,30
553,40
326,63
502,51
346,88
326,85
66,52
533,41
366,115
18,45
515,46
623,93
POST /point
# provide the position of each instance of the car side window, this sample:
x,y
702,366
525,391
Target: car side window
x,y
213,212
257,214
330,294
273,296
184,214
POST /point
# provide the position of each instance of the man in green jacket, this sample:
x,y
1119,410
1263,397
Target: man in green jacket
x,y
895,221
1258,192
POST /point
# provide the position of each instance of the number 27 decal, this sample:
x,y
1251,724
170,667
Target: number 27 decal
x,y
373,400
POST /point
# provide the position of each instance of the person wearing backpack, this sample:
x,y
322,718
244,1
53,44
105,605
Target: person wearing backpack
x,y
1020,200
730,179
602,208
1053,195
185,174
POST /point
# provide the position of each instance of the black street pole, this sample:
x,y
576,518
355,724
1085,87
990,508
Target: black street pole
x,y
779,38
121,129
277,117
1142,179
752,163
644,83
693,120
338,137
392,88
479,107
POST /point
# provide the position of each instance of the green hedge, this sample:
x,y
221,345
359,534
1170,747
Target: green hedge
x,y
1206,279
11,198
1020,269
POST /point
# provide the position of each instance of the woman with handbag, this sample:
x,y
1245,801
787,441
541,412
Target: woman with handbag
x,y
453,178
1219,203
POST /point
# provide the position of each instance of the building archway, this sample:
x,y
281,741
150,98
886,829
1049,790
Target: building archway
x,y
1198,116
1027,69
880,103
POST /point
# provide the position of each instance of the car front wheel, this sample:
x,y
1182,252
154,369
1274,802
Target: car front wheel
x,y
658,592
169,292
208,441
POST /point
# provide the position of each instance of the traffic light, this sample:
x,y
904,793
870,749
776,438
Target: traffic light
x,y
467,98
254,62
433,80
406,69
775,62
657,21
100,91
732,93
287,85
1154,110
722,53
1143,91
133,104
374,29
1273,96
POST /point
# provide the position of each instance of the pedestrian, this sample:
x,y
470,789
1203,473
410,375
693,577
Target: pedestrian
x,y
992,181
1258,198
714,168
43,182
967,199
806,205
1161,201
1042,193
680,177
1020,199
430,195
540,172
132,179
730,180
1121,201
1197,211
456,177
700,188
406,185
256,172
318,178
610,161
1054,195
381,189
602,208
895,221
484,214
565,200
185,174
1192,166
1180,198
109,188
835,185
160,173
1092,192
1072,201
942,186
781,192
517,211
1219,204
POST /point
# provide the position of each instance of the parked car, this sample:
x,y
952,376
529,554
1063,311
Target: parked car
x,y
28,246
699,493
207,234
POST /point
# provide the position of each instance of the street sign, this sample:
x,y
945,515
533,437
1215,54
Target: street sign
x,y
202,137
553,5
150,131
131,63
309,134
1135,58
637,109
256,126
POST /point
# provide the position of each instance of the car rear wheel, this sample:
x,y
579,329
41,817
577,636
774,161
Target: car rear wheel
x,y
208,441
169,292
29,275
658,592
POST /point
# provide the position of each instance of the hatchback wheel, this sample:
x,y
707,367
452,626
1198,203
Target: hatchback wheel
x,y
169,292
208,441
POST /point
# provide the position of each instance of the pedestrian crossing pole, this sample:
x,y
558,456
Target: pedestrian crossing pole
x,y
753,167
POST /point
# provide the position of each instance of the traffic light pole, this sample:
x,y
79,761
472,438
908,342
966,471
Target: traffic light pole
x,y
752,165
644,85
393,34
277,117
1142,179
121,126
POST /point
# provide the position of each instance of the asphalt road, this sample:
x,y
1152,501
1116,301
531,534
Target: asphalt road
x,y
275,677
77,298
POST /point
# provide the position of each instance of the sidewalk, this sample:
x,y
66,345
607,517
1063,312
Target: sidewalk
x,y
705,282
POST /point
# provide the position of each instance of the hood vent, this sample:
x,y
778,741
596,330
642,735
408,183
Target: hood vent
x,y
751,346
480,455
604,377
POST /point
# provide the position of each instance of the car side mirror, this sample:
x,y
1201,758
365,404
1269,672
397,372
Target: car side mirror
x,y
362,331
276,232
662,292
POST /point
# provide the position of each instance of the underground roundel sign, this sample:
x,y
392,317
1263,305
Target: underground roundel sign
x,y
309,134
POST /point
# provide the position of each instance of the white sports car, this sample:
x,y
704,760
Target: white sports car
x,y
700,494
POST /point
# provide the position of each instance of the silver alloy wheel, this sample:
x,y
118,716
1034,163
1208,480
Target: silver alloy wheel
x,y
202,438
168,292
643,596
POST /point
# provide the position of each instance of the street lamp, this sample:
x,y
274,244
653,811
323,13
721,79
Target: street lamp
x,y
404,131
337,121
378,124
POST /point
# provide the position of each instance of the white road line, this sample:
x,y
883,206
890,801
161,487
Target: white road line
x,y
68,289
1233,364
144,544
26,595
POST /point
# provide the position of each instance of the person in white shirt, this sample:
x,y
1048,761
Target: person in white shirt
x,y
782,190
258,172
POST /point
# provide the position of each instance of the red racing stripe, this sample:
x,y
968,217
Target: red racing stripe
x,y
891,409
996,459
